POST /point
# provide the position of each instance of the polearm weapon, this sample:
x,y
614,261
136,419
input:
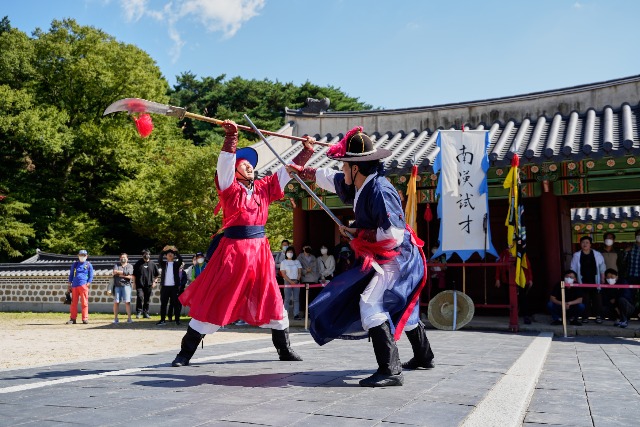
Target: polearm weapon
x,y
139,105
313,195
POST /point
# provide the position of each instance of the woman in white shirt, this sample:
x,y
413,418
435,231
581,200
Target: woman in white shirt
x,y
291,270
326,265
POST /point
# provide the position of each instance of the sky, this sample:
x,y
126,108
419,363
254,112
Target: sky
x,y
390,54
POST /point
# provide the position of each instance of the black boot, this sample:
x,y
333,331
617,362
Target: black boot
x,y
389,371
190,343
281,342
422,354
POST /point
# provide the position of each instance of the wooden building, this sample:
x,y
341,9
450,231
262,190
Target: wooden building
x,y
578,146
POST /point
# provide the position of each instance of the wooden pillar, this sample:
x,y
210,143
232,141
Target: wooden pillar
x,y
300,219
551,232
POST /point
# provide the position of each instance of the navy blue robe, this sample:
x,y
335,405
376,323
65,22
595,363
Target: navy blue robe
x,y
335,313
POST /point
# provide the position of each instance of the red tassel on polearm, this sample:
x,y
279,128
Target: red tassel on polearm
x,y
144,125
428,215
382,251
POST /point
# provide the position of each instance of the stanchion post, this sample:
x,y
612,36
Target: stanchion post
x,y
564,311
306,309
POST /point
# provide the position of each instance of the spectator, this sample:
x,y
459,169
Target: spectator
x,y
344,243
291,271
80,278
198,266
309,270
326,265
170,281
632,258
184,278
573,301
279,257
589,266
507,276
610,255
145,273
618,300
345,260
122,276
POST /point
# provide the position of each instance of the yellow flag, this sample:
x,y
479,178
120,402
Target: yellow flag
x,y
516,236
411,210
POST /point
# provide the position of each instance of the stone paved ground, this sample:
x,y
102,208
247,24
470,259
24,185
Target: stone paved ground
x,y
588,381
585,382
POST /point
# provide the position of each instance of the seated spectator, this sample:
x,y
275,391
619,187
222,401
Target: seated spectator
x,y
573,301
618,302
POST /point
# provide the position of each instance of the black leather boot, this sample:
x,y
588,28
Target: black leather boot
x,y
281,342
389,371
422,354
190,343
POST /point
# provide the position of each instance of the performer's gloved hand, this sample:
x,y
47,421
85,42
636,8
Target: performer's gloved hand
x,y
303,157
307,174
231,136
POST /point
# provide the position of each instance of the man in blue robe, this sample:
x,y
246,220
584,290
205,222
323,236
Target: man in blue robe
x,y
378,297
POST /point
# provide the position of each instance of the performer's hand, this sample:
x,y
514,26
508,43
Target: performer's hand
x,y
498,283
230,127
292,168
308,143
344,230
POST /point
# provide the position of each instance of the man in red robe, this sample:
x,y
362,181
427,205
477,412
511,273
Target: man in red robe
x,y
238,283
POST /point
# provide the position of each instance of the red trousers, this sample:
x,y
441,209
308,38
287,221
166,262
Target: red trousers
x,y
82,293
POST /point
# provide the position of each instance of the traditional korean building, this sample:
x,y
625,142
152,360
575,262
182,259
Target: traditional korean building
x,y
578,146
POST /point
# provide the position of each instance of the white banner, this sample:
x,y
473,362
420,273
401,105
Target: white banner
x,y
462,189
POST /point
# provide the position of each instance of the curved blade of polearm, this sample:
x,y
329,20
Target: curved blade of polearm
x,y
139,105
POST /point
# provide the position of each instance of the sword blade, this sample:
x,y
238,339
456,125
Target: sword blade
x,y
138,105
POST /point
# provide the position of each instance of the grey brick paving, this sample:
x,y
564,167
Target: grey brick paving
x,y
585,382
588,381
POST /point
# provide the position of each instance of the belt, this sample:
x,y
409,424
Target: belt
x,y
244,232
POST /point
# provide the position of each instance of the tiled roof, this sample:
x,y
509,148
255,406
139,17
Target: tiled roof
x,y
605,214
594,134
603,123
49,264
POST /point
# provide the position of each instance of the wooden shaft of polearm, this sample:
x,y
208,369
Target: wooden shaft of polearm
x,y
249,129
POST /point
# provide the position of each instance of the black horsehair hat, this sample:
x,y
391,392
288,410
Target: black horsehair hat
x,y
356,146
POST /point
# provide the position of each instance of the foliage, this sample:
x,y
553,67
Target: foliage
x,y
280,224
75,179
262,100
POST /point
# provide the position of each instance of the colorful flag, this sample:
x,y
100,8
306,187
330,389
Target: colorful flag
x,y
411,210
516,234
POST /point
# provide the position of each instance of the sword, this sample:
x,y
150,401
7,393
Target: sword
x,y
313,195
138,105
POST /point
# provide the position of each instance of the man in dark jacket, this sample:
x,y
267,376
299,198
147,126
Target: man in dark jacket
x,y
170,281
145,273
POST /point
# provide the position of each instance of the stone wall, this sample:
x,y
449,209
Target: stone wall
x,y
46,294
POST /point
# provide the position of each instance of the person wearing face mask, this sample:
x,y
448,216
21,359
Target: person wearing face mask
x,y
198,266
80,278
145,274
573,301
291,271
123,275
618,303
632,260
589,265
364,301
326,266
279,257
239,281
612,257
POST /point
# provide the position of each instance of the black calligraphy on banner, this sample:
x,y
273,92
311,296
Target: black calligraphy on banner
x,y
466,202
